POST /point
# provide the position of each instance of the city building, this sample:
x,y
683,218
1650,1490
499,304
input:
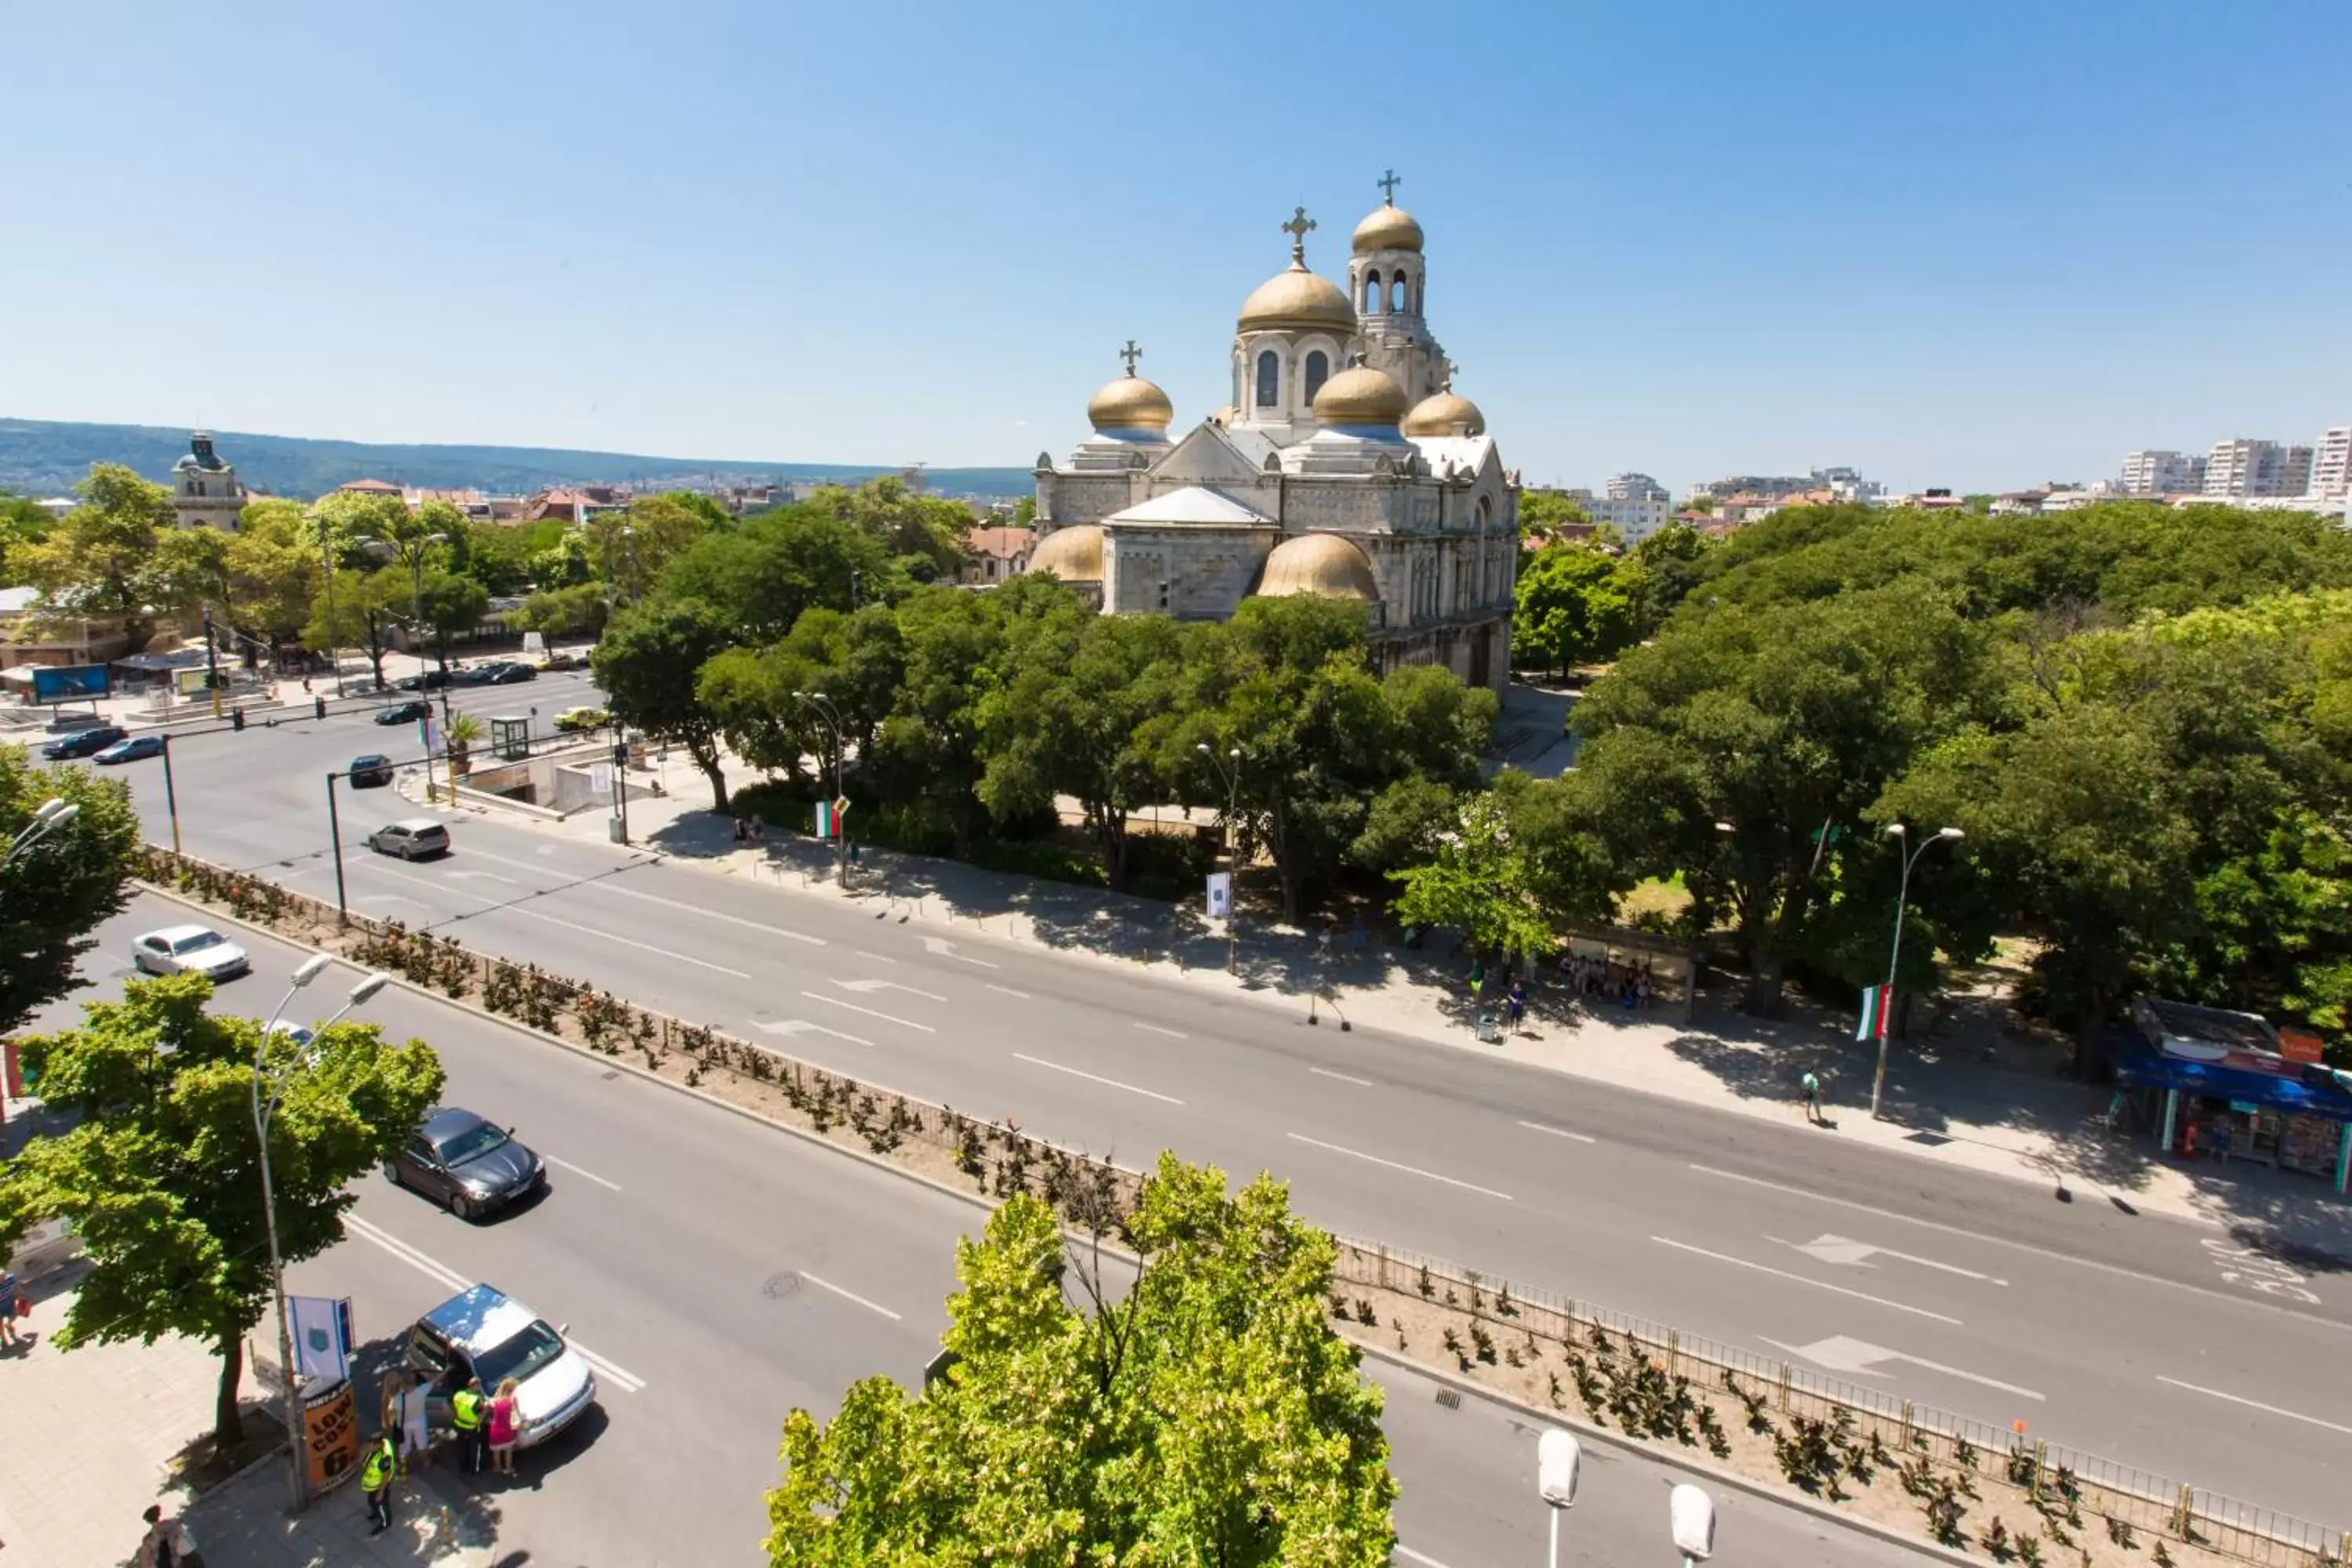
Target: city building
x,y
2161,473
368,488
2242,467
1848,485
205,492
1634,518
2331,464
996,554
1636,486
1345,466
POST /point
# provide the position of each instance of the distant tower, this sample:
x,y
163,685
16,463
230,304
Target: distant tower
x,y
1387,283
206,493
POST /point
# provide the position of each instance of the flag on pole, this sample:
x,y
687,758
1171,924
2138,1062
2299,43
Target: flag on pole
x,y
828,819
1877,1008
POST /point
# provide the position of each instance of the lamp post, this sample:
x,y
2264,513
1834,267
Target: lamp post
x,y
1690,1515
299,1481
1559,1459
1901,835
823,705
327,569
54,814
1231,779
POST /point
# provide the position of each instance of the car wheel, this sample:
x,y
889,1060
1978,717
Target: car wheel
x,y
462,1206
392,1172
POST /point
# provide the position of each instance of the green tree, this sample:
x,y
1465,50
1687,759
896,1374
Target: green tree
x,y
761,574
359,608
1572,607
562,611
159,1173
628,549
1209,1416
1479,883
59,889
924,535
648,663
955,649
106,560
1549,512
452,604
854,663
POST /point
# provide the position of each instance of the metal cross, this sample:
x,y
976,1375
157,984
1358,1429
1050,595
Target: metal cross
x,y
1298,229
1388,184
1130,354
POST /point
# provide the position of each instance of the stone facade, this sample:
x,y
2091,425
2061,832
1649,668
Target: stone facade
x,y
205,492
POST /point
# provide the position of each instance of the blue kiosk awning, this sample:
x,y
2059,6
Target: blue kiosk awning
x,y
2135,1061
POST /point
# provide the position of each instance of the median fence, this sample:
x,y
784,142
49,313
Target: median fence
x,y
1093,1193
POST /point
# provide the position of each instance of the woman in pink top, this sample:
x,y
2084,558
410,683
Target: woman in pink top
x,y
503,1428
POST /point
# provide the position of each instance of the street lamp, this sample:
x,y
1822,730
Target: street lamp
x,y
1901,834
1690,1514
54,814
1232,780
823,705
1559,1459
299,1484
326,568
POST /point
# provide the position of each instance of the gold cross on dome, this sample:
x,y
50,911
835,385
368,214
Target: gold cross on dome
x,y
1300,227
1130,354
1388,183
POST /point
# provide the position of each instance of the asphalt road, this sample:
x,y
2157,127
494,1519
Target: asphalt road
x,y
2143,1339
719,1273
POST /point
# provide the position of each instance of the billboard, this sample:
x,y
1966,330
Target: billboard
x,y
69,682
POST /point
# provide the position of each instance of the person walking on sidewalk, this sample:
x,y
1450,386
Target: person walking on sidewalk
x,y
468,1412
375,1483
503,1428
1812,1087
13,1305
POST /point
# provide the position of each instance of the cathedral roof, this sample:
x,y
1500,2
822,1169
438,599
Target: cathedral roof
x,y
1323,565
1131,403
1361,396
1194,503
1074,554
1389,227
1299,299
1445,413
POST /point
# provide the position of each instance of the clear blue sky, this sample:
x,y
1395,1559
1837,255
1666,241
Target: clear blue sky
x,y
1979,244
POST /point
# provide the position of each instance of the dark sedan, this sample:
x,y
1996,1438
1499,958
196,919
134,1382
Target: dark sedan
x,y
82,742
370,770
471,1165
508,673
131,750
403,714
430,680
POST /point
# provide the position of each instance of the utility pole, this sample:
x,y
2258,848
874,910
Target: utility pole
x,y
212,661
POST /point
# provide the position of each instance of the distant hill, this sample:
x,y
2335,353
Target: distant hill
x,y
46,458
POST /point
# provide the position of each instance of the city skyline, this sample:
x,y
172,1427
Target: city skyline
x,y
1942,271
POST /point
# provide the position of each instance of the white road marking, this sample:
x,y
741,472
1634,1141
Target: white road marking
x,y
578,1171
1174,1033
802,1026
1816,1284
697,910
870,985
2257,1404
1840,1354
629,941
1008,990
627,1382
838,1002
1111,1082
1857,1254
1343,1077
1402,1550
488,876
1392,1165
851,1296
875,956
1560,1133
946,948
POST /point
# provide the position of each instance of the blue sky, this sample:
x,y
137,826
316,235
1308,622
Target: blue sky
x,y
1980,245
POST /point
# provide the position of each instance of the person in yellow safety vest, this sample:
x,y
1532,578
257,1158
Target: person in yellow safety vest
x,y
468,1409
375,1483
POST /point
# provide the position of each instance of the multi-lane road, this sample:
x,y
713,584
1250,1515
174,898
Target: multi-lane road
x,y
2139,1338
719,1273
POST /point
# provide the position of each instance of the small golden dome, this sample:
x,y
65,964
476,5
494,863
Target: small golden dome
x,y
1445,413
1323,565
1389,227
1074,554
1359,395
1131,403
1296,298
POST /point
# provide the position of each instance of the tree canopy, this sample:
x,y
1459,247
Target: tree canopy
x,y
62,885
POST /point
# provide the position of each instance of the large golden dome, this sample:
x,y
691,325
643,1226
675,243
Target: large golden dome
x,y
1131,403
1074,554
1389,227
1359,395
1445,413
1323,565
1299,299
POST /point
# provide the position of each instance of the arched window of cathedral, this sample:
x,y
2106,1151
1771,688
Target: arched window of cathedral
x,y
1371,293
1396,292
1269,378
1319,371
1485,512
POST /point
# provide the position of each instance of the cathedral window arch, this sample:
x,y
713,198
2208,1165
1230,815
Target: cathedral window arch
x,y
1319,371
1371,293
1269,379
1396,293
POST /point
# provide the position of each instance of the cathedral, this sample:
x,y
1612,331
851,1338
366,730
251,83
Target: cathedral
x,y
1346,466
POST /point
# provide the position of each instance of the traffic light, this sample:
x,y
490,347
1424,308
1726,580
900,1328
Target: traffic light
x,y
236,720
620,753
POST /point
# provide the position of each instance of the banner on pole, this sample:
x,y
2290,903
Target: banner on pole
x,y
1221,895
322,1335
1877,1008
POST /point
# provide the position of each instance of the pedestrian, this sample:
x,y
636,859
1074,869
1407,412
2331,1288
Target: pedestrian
x,y
503,1428
375,1483
1518,1002
167,1543
416,1433
12,1306
1331,929
741,832
1477,978
468,1414
1357,934
759,830
1812,1087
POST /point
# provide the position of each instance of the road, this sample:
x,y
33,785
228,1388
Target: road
x,y
722,1273
2127,1335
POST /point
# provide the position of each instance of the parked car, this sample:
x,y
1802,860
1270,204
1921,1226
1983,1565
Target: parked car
x,y
370,770
508,672
83,744
426,680
582,718
467,1163
130,750
189,950
486,1334
417,836
560,658
404,712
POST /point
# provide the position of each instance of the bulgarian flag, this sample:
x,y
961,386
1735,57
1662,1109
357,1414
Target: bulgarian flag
x,y
828,821
1877,1008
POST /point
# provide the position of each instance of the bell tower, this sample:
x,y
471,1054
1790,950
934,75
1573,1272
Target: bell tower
x,y
1388,284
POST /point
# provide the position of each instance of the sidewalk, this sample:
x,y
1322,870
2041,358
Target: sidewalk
x,y
1944,1103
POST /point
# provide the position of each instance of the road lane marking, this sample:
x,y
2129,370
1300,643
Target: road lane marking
x,y
578,1171
1402,1550
887,1018
1343,1077
1816,1284
1008,990
946,948
798,1025
627,942
2257,1404
1112,1082
851,1296
1840,1354
1392,1165
627,1382
1857,1254
706,914
869,986
875,956
1560,1133
1173,1033
485,876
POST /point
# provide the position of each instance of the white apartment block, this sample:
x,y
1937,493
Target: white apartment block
x,y
1634,519
2331,465
2161,474
2243,469
1636,486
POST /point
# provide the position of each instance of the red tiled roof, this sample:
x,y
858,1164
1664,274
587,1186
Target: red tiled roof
x,y
1003,544
371,488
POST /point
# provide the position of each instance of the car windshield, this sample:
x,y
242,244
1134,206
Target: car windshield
x,y
197,943
470,1144
519,1356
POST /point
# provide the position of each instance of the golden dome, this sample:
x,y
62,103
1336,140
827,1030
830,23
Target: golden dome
x,y
1296,298
1074,554
1359,395
1389,227
1131,403
1323,565
1445,413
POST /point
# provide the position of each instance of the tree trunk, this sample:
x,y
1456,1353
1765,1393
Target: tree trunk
x,y
2085,1066
1763,998
718,777
1110,835
228,1425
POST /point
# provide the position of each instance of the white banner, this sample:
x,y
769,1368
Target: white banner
x,y
322,1335
600,777
1221,895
